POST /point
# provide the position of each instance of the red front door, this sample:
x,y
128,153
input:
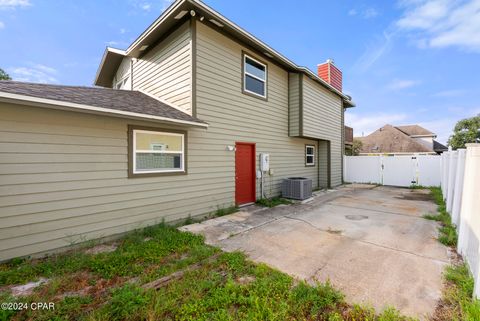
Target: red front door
x,y
244,173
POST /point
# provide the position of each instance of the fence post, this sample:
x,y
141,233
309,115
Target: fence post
x,y
442,176
457,196
469,234
452,169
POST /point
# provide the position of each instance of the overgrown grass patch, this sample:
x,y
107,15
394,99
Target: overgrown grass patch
x,y
222,286
447,232
458,303
274,201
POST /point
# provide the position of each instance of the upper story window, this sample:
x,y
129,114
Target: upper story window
x,y
124,83
254,77
157,152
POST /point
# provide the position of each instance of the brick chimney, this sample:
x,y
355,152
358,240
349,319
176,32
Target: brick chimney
x,y
331,74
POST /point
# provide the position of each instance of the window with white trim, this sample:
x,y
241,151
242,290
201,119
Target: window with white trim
x,y
309,155
157,152
254,77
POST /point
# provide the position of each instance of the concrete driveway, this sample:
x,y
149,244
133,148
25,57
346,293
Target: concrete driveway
x,y
370,242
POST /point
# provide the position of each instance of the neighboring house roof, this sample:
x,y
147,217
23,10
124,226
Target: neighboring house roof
x,y
180,9
122,103
415,130
390,139
438,147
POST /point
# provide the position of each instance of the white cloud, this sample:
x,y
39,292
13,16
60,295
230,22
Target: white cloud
x,y
450,93
399,84
374,52
370,13
116,44
12,4
365,13
443,23
146,6
366,124
34,73
122,31
443,128
2,25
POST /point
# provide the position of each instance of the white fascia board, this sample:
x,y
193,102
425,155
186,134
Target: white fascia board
x,y
104,57
61,105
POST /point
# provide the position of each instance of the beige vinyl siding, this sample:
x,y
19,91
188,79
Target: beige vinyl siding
x,y
322,119
234,116
63,179
123,71
294,104
166,70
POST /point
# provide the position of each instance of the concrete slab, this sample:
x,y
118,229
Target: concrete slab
x,y
370,242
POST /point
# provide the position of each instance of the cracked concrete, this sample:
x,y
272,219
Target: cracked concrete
x,y
370,242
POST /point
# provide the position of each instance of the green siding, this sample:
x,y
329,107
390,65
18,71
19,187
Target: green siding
x,y
322,119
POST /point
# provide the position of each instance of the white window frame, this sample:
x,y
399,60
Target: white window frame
x,y
307,155
123,81
245,73
135,151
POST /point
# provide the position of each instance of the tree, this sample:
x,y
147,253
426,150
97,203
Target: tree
x,y
465,131
4,75
356,147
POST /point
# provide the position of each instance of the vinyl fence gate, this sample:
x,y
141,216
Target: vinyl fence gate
x,y
424,170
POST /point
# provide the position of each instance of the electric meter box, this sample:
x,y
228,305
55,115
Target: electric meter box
x,y
264,162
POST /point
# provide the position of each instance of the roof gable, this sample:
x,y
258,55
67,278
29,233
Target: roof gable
x,y
180,10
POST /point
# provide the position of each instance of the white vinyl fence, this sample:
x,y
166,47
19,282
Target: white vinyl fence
x,y
424,170
461,191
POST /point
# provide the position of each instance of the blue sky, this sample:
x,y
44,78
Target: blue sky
x,y
404,61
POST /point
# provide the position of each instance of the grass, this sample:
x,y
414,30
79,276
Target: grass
x,y
457,303
224,286
225,211
272,202
447,232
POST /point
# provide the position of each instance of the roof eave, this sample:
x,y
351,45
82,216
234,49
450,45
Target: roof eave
x,y
104,72
62,105
133,49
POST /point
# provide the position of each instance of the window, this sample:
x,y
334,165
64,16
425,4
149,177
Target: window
x,y
156,152
309,155
123,83
254,77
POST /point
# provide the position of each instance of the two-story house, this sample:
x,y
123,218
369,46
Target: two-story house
x,y
178,130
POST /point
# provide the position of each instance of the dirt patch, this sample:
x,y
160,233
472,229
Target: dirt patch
x,y
27,289
247,279
102,248
415,196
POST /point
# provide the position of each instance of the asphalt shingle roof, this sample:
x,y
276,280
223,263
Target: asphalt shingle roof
x,y
121,100
413,130
390,139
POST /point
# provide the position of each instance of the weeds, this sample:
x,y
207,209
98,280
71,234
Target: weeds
x,y
272,202
458,304
448,233
225,211
108,286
